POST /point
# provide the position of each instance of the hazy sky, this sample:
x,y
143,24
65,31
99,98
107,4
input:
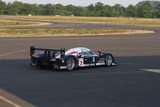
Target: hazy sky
x,y
79,2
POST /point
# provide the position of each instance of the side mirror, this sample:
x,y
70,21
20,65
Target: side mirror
x,y
99,53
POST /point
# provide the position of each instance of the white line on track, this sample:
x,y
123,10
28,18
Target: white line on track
x,y
10,102
152,70
13,52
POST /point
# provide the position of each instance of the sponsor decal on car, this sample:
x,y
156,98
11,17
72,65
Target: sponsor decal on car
x,y
63,67
92,65
100,63
73,53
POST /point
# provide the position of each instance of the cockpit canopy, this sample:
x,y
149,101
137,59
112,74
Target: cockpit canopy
x,y
79,51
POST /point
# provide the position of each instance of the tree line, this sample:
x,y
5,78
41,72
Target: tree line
x,y
144,9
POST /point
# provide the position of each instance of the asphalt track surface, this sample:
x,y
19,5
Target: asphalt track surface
x,y
125,85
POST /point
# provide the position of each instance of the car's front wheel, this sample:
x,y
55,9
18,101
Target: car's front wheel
x,y
108,60
70,63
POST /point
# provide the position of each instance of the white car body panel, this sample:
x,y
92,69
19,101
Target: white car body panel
x,y
76,51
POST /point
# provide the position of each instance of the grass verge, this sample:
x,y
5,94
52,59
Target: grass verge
x,y
65,32
106,20
16,23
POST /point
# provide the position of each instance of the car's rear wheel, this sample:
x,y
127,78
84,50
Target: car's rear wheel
x,y
70,63
108,60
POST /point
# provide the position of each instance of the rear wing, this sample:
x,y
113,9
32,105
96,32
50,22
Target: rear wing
x,y
46,51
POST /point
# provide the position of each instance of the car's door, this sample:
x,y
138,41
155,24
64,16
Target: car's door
x,y
89,58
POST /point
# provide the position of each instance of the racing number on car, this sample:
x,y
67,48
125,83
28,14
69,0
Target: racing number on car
x,y
81,62
93,59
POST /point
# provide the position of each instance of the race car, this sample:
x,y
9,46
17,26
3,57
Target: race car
x,y
57,59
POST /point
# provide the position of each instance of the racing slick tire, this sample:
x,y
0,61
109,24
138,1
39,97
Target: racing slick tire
x,y
70,63
108,60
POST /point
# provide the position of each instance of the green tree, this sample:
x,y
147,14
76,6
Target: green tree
x,y
131,11
118,10
99,7
11,10
41,9
50,9
80,11
114,13
70,10
91,10
59,9
156,13
145,10
2,7
29,9
17,6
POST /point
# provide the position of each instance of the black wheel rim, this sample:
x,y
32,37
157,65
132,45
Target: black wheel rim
x,y
70,64
109,60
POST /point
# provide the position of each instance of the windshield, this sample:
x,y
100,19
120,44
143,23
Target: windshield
x,y
88,53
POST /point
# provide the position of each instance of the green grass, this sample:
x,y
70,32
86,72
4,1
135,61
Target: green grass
x,y
107,20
